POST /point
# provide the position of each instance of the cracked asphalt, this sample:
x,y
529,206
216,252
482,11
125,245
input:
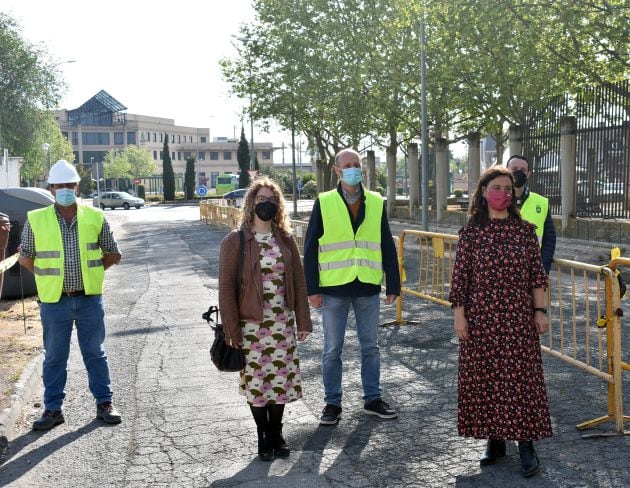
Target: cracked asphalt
x,y
185,425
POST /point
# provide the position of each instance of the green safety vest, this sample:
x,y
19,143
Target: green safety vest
x,y
534,210
49,255
344,256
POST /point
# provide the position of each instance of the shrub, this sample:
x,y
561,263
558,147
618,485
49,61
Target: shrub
x,y
458,193
309,189
141,191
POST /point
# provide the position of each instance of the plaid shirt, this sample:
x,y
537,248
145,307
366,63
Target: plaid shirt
x,y
72,280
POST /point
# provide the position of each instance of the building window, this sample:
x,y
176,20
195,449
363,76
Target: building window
x,y
203,138
201,155
155,137
214,155
161,137
266,154
131,137
213,179
95,138
227,155
161,155
179,155
65,135
75,138
118,138
202,178
155,155
187,155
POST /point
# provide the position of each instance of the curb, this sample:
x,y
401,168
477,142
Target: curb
x,y
30,379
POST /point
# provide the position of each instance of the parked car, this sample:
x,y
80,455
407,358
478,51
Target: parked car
x,y
235,198
114,199
601,191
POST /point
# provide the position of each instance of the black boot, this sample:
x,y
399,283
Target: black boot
x,y
494,449
261,417
280,448
530,465
265,451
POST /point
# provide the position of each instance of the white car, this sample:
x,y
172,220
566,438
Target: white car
x,y
114,199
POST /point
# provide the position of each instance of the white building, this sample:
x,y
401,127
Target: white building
x,y
9,170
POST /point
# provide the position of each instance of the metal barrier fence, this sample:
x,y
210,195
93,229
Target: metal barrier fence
x,y
583,302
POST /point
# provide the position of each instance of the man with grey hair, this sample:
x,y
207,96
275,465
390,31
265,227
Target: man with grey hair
x,y
347,249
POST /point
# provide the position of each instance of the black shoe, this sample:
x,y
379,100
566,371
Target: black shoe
x,y
280,448
494,450
108,413
330,415
530,465
265,451
380,408
48,420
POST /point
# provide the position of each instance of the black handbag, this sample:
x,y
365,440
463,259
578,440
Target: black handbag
x,y
224,357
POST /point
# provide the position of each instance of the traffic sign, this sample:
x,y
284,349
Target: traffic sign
x,y
137,181
299,185
202,190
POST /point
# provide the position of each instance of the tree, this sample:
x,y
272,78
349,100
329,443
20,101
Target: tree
x,y
141,162
189,179
29,83
242,156
116,164
168,176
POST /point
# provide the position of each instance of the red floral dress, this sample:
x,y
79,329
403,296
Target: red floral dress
x,y
501,385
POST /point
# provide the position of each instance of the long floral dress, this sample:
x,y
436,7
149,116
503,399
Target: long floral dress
x,y
501,386
272,373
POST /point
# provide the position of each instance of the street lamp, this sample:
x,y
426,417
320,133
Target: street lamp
x,y
252,152
46,148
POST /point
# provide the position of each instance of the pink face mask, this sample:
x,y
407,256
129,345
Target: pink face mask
x,y
498,200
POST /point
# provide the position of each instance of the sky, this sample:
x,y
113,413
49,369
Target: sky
x,y
158,59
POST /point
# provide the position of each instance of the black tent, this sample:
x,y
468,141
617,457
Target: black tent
x,y
16,202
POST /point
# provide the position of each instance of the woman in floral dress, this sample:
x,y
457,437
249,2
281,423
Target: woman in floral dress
x,y
261,316
497,293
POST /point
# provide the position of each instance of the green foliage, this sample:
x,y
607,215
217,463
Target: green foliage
x,y
168,176
116,164
130,162
309,189
29,84
459,193
189,179
85,185
141,191
242,156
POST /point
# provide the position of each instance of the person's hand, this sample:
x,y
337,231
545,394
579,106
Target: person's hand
x,y
5,228
301,336
541,321
389,299
316,300
461,328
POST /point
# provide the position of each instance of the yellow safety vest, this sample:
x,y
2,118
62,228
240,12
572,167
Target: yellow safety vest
x,y
344,256
49,252
534,210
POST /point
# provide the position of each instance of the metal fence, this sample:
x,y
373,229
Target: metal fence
x,y
602,144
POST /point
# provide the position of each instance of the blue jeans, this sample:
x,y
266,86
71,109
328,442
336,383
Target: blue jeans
x,y
335,316
57,319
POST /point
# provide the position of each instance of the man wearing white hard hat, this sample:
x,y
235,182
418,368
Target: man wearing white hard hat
x,y
68,247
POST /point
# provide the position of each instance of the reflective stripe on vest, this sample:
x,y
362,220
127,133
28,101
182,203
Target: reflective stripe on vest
x,y
344,256
535,210
49,256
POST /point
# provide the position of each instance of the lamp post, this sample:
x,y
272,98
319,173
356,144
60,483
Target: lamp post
x,y
252,152
46,148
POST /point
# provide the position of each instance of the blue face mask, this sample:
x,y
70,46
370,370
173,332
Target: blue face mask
x,y
65,196
351,176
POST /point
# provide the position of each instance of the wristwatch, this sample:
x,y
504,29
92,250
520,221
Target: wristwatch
x,y
540,309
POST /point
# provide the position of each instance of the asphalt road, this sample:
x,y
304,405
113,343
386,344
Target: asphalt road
x,y
184,424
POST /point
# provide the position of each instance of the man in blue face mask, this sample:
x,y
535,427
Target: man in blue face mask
x,y
348,249
68,247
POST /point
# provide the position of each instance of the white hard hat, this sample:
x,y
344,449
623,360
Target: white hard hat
x,y
63,172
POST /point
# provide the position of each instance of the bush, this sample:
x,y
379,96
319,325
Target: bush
x,y
458,193
309,189
141,191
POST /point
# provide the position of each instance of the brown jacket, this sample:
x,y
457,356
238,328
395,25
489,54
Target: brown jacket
x,y
249,306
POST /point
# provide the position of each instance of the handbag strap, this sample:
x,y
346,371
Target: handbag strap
x,y
241,257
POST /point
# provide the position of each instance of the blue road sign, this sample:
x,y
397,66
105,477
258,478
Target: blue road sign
x,y
202,191
299,185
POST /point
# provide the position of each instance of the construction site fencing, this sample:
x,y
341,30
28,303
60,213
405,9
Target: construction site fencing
x,y
583,301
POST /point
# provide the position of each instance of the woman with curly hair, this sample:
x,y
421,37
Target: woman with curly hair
x,y
260,318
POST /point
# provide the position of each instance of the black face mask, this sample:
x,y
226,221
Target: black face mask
x,y
266,210
520,178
